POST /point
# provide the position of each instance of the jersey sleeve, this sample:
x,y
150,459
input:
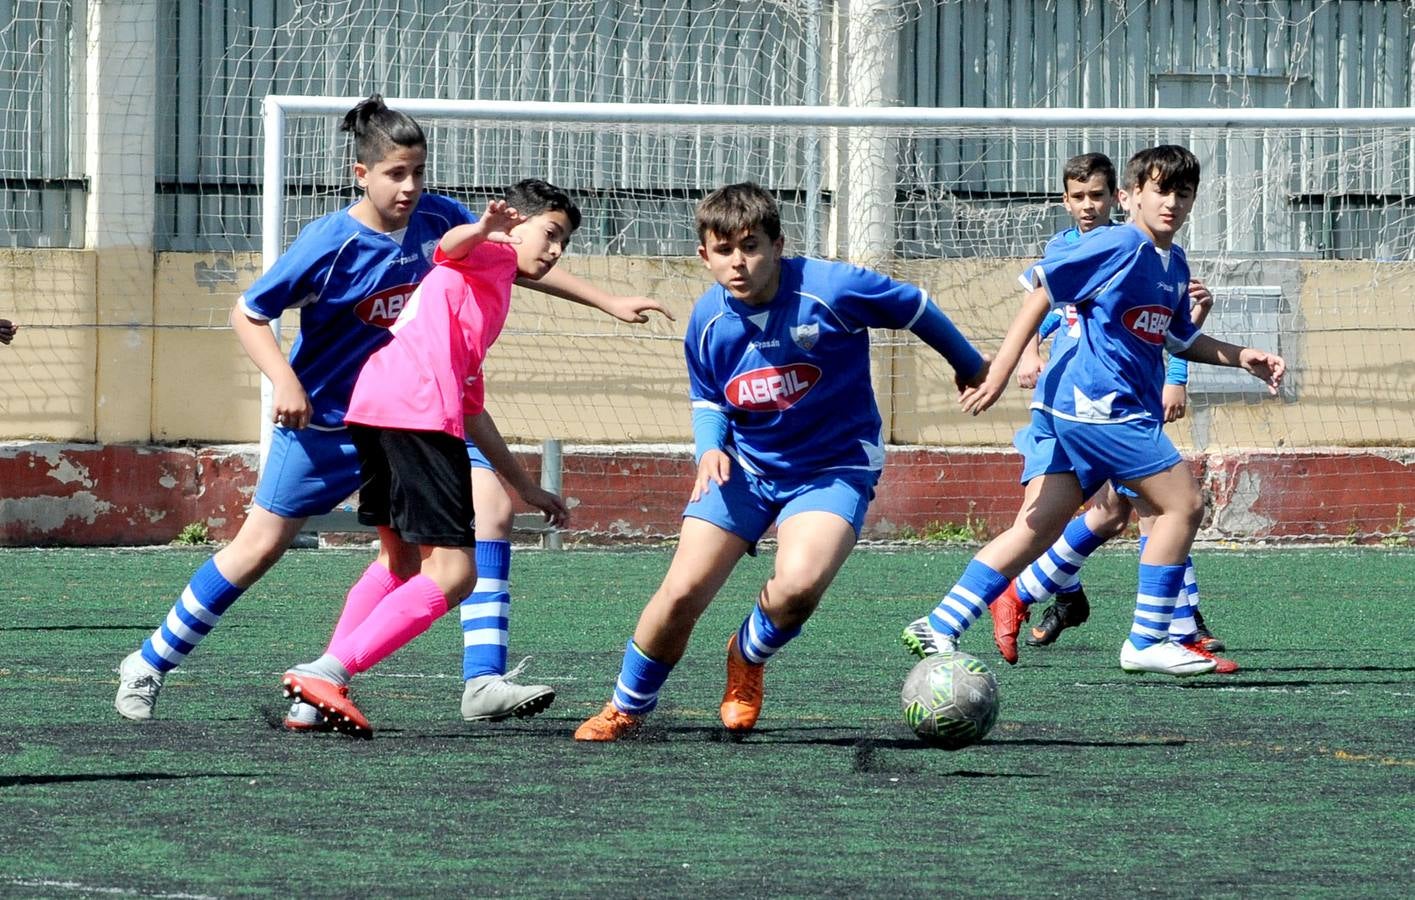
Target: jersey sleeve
x,y
864,298
296,279
1050,324
1078,276
703,389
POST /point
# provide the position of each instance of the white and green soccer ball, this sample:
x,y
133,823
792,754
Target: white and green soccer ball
x,y
950,700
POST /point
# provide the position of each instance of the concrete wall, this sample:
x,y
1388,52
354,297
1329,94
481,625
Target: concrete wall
x,y
109,362
83,396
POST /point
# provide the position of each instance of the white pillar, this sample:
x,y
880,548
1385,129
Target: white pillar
x,y
870,78
120,112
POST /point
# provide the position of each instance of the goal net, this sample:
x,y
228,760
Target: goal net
x,y
1303,228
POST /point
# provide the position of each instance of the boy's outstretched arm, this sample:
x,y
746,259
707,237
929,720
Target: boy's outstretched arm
x,y
934,328
484,433
1266,367
1024,326
559,283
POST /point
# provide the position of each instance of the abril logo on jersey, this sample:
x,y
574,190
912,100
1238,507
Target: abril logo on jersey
x,y
1148,323
762,390
382,308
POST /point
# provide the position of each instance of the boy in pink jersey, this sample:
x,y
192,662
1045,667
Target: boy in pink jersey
x,y
415,401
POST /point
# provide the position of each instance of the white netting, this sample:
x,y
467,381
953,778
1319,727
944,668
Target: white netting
x,y
1306,231
1302,231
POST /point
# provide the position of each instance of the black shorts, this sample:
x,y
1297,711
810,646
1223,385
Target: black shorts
x,y
416,482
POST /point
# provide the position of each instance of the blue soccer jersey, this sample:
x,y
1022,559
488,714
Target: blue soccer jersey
x,y
349,283
1058,245
1133,303
793,376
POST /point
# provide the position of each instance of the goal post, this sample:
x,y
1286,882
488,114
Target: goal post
x,y
1304,228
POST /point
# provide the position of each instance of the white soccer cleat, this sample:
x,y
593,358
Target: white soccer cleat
x,y
138,686
923,641
1165,658
492,698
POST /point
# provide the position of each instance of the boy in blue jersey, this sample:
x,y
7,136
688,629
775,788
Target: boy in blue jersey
x,y
1089,194
1098,412
349,273
786,430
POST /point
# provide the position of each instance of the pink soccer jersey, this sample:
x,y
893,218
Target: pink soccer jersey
x,y
429,376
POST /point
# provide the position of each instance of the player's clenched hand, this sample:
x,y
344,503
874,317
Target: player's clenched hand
x,y
1030,368
1266,367
290,407
635,309
1174,398
1200,298
556,512
7,331
714,468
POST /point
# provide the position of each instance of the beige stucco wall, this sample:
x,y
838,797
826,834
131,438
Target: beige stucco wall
x,y
561,370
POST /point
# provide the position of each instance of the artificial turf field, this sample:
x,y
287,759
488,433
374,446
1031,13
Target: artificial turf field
x,y
1293,777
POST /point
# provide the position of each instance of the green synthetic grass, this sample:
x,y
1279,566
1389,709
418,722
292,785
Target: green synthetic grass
x,y
1296,776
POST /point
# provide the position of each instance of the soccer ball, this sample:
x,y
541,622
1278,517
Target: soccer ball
x,y
950,700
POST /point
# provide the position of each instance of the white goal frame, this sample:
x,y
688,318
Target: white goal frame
x,y
277,107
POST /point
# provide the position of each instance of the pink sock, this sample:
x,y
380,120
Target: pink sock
x,y
402,616
375,584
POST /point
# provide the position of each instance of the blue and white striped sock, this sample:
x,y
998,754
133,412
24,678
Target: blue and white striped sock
x,y
1059,568
759,639
206,597
1183,629
486,613
975,591
1154,604
640,680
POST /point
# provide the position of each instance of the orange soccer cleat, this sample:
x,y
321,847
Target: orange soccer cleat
x,y
1222,666
330,699
1008,614
609,724
742,701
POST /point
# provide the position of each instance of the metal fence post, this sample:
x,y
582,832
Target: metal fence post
x,y
551,477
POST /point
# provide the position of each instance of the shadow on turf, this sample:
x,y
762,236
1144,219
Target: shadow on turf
x,y
22,780
147,627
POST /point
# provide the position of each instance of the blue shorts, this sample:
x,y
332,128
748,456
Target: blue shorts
x,y
1122,451
1041,452
747,505
309,472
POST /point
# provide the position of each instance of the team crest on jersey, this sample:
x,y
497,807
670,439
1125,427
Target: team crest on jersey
x,y
770,388
382,308
806,336
1148,323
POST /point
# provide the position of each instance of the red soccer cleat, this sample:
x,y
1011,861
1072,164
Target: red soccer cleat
x,y
330,699
1008,614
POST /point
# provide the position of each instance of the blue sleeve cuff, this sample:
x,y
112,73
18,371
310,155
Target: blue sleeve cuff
x,y
1050,324
709,430
1177,372
938,331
